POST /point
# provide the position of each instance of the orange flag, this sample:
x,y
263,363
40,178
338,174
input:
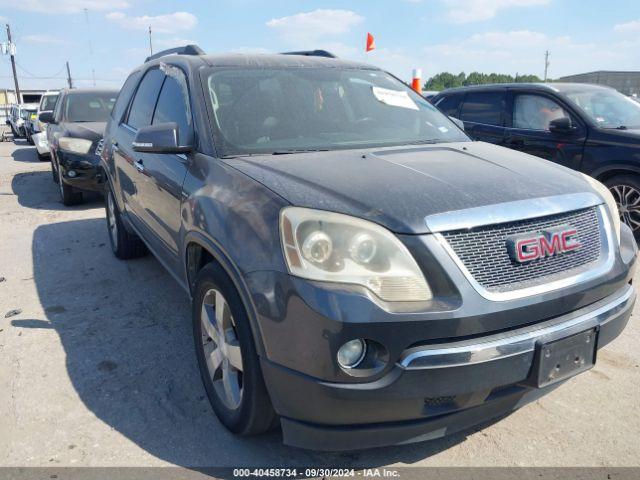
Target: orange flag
x,y
371,43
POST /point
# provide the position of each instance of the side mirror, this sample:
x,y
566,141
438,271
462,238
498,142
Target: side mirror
x,y
161,138
458,122
561,125
46,117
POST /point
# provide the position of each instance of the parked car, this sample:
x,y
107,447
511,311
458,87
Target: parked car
x,y
74,134
360,271
37,130
18,114
590,128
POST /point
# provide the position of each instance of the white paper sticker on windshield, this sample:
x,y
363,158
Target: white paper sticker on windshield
x,y
394,98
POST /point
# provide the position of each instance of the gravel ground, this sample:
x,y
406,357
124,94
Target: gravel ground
x,y
98,368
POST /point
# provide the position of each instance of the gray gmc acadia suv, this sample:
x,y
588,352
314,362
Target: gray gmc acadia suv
x,y
361,272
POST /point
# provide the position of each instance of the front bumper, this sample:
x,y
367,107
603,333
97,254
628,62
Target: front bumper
x,y
41,143
435,390
86,168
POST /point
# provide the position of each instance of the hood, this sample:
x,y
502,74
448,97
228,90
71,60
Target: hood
x,y
88,130
399,187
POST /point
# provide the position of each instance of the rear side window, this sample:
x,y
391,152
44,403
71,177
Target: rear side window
x,y
145,100
124,96
449,105
483,107
173,106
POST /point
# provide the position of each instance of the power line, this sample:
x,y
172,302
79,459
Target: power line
x,y
40,77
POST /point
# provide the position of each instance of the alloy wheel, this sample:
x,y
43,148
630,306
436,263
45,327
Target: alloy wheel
x,y
111,221
628,201
221,348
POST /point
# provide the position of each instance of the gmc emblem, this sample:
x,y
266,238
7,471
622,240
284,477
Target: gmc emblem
x,y
532,246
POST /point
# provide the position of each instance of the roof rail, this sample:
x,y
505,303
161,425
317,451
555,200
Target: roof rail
x,y
186,50
312,53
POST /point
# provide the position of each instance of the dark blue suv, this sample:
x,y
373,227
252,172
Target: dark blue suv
x,y
361,272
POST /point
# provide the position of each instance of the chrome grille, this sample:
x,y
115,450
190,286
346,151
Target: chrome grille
x,y
483,251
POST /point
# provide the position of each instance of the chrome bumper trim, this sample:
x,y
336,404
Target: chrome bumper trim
x,y
497,347
510,211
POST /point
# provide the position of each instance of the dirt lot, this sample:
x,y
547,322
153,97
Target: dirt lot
x,y
98,367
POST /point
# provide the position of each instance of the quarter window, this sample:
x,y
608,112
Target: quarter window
x,y
144,102
173,106
483,107
449,105
535,112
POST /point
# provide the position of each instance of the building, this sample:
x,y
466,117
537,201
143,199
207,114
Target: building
x,y
627,83
8,98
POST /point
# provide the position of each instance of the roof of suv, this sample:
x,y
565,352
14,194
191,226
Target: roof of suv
x,y
280,60
193,55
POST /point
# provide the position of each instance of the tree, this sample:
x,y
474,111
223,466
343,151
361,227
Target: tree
x,y
444,80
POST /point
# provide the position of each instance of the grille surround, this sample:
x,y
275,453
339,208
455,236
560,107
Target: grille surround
x,y
539,276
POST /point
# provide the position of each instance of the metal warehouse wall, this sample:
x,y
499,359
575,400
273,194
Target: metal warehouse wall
x,y
625,82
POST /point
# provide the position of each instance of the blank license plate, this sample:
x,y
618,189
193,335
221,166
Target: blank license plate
x,y
566,357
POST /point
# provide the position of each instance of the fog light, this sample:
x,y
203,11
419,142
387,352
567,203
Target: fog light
x,y
71,173
351,353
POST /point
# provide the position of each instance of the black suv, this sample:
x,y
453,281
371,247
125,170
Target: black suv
x,y
361,272
74,133
589,128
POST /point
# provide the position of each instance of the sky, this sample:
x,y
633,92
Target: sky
x,y
105,39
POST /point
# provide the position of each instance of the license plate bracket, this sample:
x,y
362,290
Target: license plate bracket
x,y
566,357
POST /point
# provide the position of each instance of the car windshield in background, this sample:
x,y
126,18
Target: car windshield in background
x,y
608,108
48,102
26,114
89,106
281,110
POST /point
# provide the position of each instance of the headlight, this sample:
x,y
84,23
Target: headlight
x,y
332,247
75,145
609,201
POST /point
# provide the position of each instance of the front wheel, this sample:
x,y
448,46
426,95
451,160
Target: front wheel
x,y
626,191
68,195
124,245
227,357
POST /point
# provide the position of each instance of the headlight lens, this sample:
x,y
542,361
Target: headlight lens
x,y
332,247
75,145
609,201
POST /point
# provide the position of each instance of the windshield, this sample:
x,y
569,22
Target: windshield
x,y
48,102
89,106
280,110
25,114
607,108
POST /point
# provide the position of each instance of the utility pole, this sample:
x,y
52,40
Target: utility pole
x,y
546,64
12,52
69,81
150,44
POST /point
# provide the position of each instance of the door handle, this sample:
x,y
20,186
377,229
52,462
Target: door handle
x,y
139,165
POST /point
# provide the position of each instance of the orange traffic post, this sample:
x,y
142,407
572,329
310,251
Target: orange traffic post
x,y
416,83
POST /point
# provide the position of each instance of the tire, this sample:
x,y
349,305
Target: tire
x,y
14,132
124,245
43,157
626,190
29,138
251,412
54,170
68,195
